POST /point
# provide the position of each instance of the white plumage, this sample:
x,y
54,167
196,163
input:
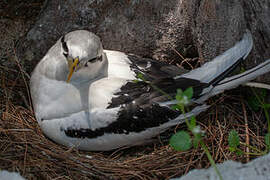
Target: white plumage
x,y
86,97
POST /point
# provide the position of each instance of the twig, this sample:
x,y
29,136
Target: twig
x,y
23,73
246,129
182,57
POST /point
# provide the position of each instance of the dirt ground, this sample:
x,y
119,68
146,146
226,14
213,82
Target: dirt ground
x,y
24,148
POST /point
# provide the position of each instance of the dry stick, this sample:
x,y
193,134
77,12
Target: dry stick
x,y
25,142
6,92
186,61
246,129
8,69
190,161
216,120
219,150
253,135
117,150
178,53
23,73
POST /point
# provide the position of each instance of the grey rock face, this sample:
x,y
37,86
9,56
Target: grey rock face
x,y
155,28
138,26
258,169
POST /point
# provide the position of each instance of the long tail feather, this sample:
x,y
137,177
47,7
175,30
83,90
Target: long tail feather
x,y
234,81
215,70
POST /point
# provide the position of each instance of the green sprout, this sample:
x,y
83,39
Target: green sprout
x,y
182,141
256,102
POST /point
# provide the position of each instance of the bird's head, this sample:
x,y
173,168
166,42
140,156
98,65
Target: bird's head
x,y
83,51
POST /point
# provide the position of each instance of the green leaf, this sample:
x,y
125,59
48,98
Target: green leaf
x,y
233,139
136,81
179,92
192,122
232,149
263,93
179,95
267,106
254,103
140,76
239,153
267,140
196,140
181,141
242,69
175,107
188,92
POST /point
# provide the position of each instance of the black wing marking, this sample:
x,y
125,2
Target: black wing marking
x,y
138,101
130,120
154,69
160,75
142,93
139,109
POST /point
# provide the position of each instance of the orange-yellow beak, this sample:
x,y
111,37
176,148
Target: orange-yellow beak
x,y
72,65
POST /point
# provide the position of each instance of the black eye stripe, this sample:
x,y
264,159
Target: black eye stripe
x,y
64,46
65,54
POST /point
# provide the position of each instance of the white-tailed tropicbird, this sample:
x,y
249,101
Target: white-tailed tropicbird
x,y
86,97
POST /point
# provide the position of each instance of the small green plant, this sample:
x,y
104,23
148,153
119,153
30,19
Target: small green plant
x,y
234,144
182,141
260,98
267,141
256,102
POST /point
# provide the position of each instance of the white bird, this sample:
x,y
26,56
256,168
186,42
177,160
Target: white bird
x,y
86,97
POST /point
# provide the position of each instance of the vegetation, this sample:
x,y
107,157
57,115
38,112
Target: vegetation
x,y
183,141
256,102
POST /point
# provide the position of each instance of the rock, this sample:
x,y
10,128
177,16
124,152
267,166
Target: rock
x,y
258,169
155,28
5,175
141,27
